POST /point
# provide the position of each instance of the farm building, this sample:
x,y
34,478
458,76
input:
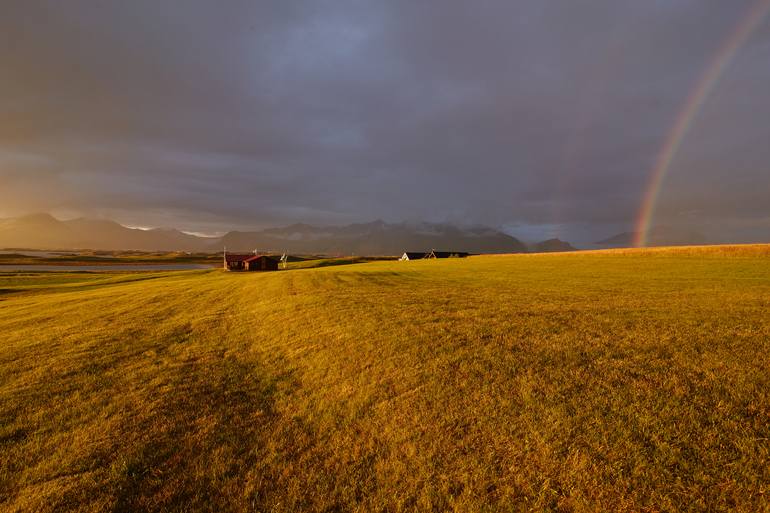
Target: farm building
x,y
235,262
412,255
446,254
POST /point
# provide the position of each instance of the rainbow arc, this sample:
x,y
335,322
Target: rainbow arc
x,y
684,120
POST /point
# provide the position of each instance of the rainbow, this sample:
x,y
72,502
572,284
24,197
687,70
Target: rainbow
x,y
689,112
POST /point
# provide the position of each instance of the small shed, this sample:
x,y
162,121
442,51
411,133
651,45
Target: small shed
x,y
412,255
262,263
235,262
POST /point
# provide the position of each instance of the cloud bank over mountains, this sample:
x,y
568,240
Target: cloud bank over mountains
x,y
219,116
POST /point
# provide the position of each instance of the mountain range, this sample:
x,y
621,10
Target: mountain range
x,y
43,231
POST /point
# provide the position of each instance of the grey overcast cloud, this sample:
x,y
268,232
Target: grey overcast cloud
x,y
543,118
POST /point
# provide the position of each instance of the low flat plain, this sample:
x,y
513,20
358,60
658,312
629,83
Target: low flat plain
x,y
634,380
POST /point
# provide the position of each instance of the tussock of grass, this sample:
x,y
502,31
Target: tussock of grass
x,y
635,381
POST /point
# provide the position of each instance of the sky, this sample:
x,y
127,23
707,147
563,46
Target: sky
x,y
543,118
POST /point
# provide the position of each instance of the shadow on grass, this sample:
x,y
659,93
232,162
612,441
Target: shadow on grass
x,y
329,262
193,444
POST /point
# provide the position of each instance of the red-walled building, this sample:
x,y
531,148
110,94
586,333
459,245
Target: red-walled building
x,y
234,262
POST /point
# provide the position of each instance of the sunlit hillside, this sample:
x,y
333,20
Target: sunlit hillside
x,y
605,381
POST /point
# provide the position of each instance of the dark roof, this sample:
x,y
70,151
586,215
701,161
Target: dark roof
x,y
447,254
415,255
232,257
254,258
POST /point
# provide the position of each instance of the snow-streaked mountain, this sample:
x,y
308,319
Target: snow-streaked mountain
x,y
376,238
43,231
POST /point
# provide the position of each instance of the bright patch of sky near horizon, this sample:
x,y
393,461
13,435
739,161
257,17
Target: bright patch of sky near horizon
x,y
543,118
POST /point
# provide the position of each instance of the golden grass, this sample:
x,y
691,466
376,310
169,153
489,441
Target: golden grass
x,y
576,382
732,250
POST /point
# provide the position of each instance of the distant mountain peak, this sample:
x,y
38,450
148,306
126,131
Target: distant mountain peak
x,y
41,217
552,246
657,236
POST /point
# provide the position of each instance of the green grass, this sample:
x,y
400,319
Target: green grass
x,y
608,381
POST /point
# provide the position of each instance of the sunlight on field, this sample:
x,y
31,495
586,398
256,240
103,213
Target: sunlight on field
x,y
632,380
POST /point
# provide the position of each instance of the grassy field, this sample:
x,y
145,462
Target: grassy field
x,y
137,257
109,258
606,381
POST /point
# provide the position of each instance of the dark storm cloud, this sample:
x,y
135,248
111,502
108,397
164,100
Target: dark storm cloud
x,y
212,115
